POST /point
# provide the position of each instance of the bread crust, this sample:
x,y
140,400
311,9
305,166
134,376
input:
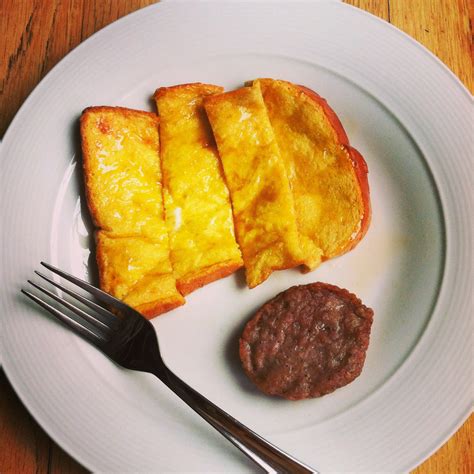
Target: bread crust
x,y
359,164
184,185
355,159
197,86
151,310
207,275
283,251
106,279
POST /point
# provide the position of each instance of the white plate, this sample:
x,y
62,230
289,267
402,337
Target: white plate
x,y
407,114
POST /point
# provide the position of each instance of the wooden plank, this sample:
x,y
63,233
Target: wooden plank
x,y
40,34
24,447
443,26
455,456
36,34
22,54
378,8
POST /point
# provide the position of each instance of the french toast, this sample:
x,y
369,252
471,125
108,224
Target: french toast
x,y
264,215
122,174
328,177
197,205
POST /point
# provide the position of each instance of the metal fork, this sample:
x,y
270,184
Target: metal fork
x,y
130,340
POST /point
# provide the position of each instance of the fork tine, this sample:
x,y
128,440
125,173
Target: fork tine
x,y
88,317
99,294
74,325
104,315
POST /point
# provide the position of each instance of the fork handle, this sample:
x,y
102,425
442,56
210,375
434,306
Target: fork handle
x,y
266,455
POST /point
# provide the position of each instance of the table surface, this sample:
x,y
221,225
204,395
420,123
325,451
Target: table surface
x,y
36,34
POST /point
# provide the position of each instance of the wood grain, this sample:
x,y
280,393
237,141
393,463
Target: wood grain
x,y
24,446
40,33
380,8
455,456
439,26
36,34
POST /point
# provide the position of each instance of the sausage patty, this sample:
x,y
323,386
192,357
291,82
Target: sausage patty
x,y
307,341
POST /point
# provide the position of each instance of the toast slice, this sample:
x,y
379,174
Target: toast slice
x,y
328,177
264,214
138,271
197,204
122,174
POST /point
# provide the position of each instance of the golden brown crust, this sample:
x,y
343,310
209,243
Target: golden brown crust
x,y
358,162
150,310
114,244
207,275
336,134
198,86
122,110
361,170
330,114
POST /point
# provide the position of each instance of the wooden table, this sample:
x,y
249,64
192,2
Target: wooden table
x,y
36,34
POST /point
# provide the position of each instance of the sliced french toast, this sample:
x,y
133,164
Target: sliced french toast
x,y
264,215
328,177
122,173
197,204
137,270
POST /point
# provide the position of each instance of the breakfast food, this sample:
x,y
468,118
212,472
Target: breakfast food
x,y
270,160
137,270
328,177
122,174
264,215
197,204
306,342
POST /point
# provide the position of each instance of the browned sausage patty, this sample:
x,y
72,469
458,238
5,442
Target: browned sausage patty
x,y
307,341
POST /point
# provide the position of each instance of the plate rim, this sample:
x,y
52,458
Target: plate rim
x,y
54,71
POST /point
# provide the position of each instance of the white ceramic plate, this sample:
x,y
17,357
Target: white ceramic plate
x,y
402,109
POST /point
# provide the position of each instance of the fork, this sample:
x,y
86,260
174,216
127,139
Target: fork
x,y
130,340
